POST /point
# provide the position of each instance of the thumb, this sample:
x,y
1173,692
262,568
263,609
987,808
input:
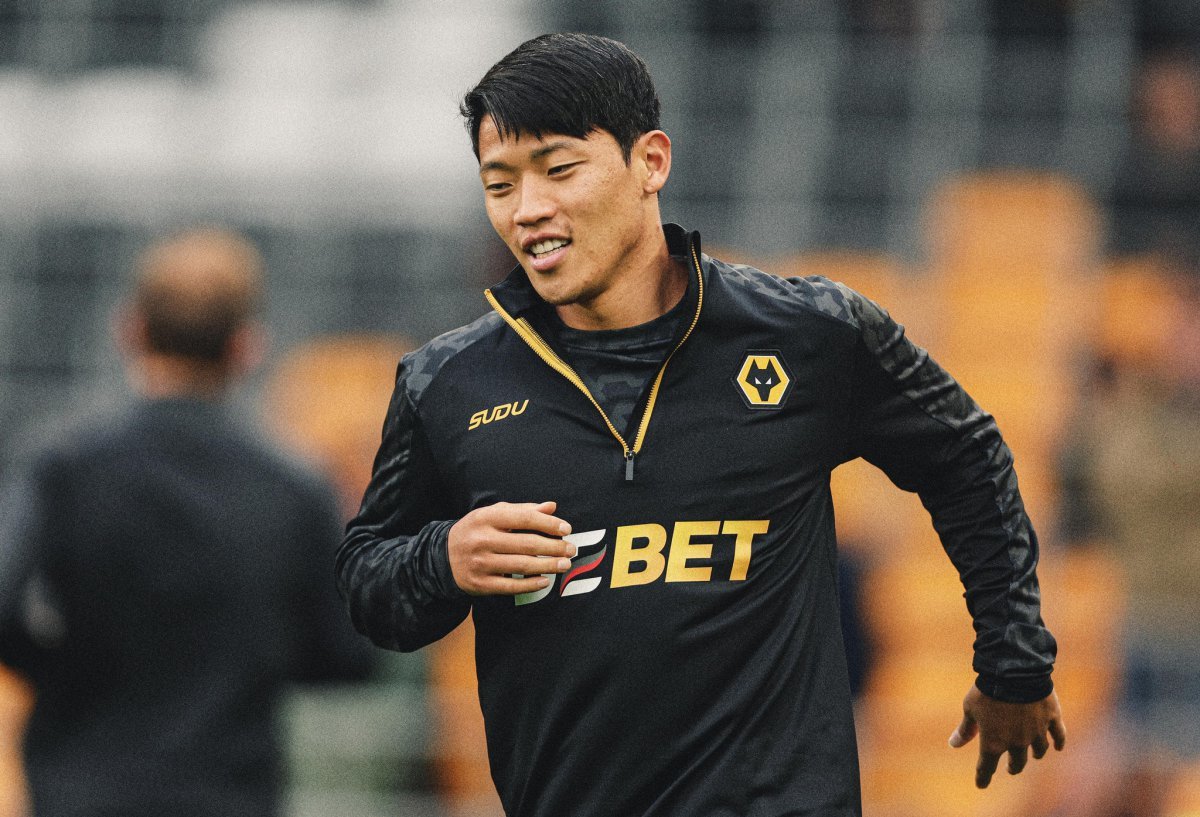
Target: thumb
x,y
965,733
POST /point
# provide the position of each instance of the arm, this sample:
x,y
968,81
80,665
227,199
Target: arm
x,y
406,579
912,420
393,568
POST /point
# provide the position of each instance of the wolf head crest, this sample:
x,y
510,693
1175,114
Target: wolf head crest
x,y
763,379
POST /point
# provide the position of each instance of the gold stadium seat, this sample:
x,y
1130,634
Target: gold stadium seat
x,y
16,701
1183,796
1136,311
1012,276
327,399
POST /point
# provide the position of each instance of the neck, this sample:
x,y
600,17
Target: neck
x,y
649,288
161,376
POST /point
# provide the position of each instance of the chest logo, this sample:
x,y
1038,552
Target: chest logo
x,y
688,551
485,416
763,379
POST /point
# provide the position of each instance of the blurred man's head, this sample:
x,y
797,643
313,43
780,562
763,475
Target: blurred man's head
x,y
191,323
1169,102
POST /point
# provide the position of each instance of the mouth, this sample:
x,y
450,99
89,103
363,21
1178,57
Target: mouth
x,y
547,252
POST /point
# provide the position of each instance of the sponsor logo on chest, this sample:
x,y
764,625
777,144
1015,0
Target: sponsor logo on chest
x,y
643,554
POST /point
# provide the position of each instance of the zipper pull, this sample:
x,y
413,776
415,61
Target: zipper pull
x,y
629,466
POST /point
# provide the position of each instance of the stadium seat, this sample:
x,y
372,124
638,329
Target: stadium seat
x,y
1183,796
1012,270
16,701
938,781
327,399
1136,305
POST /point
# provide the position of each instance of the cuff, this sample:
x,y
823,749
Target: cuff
x,y
1015,690
439,536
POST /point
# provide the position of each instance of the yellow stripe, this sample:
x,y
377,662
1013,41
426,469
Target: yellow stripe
x,y
641,434
543,350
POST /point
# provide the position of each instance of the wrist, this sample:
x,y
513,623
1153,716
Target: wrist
x,y
1015,690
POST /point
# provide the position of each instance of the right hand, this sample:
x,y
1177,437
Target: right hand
x,y
490,544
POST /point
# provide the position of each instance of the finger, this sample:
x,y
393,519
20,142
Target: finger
x,y
965,733
1059,732
501,564
1040,747
1017,758
534,517
509,586
986,767
531,544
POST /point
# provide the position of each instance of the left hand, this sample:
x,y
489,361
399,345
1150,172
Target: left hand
x,y
1007,727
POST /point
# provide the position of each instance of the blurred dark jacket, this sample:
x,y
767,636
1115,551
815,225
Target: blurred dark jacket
x,y
164,575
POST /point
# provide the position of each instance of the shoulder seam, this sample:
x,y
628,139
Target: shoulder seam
x,y
433,356
735,274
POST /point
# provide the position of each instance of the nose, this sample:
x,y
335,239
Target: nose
x,y
534,204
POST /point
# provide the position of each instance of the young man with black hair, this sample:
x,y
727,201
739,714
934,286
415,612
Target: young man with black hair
x,y
622,474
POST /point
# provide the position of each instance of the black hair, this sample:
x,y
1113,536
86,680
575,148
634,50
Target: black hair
x,y
568,84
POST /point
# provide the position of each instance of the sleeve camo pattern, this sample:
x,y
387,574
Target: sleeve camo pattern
x,y
911,419
393,569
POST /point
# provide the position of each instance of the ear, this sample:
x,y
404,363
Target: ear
x,y
654,150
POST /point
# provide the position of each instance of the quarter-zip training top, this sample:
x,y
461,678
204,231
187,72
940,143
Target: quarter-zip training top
x,y
691,662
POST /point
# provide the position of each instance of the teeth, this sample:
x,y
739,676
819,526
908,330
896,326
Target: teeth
x,y
549,245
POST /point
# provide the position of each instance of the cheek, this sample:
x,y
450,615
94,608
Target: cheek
x,y
611,205
500,218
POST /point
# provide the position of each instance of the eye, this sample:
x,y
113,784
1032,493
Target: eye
x,y
558,170
497,188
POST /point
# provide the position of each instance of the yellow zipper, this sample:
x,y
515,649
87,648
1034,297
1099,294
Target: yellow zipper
x,y
542,349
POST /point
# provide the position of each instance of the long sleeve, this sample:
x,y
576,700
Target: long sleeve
x,y
393,567
913,421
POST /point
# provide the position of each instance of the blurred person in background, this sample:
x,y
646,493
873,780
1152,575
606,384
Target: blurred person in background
x,y
1132,485
164,573
1155,202
543,470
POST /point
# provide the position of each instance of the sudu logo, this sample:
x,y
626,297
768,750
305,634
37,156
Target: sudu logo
x,y
495,413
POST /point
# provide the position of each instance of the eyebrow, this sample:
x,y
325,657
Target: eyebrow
x,y
540,153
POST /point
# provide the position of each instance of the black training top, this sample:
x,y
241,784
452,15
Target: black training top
x,y
691,662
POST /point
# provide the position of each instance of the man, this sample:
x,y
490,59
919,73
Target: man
x,y
622,473
164,573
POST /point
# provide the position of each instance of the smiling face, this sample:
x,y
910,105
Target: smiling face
x,y
581,221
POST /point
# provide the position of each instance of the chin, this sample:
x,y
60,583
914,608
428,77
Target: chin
x,y
555,296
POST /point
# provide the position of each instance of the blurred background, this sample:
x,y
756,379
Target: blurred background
x,y
1018,181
